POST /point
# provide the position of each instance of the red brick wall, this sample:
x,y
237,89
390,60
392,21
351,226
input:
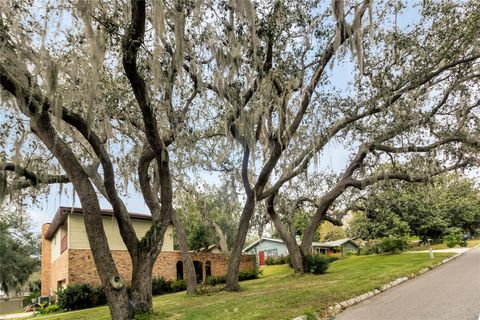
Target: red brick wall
x,y
59,271
46,261
82,267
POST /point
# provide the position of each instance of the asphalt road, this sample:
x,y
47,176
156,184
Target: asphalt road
x,y
450,291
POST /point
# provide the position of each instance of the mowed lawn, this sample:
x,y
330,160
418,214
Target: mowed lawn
x,y
280,294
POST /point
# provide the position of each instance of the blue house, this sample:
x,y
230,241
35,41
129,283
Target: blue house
x,y
267,247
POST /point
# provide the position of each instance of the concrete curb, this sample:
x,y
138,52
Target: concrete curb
x,y
340,306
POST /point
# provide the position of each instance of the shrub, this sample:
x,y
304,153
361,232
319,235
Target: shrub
x,y
45,308
221,279
80,296
178,285
249,274
332,258
370,248
316,264
393,244
452,237
270,261
160,286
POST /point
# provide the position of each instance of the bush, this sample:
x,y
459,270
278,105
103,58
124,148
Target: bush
x,y
160,286
80,296
270,261
393,244
45,308
178,285
452,237
316,264
249,274
221,279
370,248
332,258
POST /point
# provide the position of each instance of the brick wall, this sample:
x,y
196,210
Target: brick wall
x,y
59,271
46,261
82,267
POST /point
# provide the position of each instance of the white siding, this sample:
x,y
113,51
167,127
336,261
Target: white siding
x,y
78,236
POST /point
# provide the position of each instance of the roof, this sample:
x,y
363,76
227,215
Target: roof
x,y
63,212
260,241
332,244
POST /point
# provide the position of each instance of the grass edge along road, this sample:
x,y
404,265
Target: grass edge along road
x,y
279,293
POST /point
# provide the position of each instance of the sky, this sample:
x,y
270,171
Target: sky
x,y
334,157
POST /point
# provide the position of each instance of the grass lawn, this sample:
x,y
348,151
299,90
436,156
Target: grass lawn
x,y
280,294
438,246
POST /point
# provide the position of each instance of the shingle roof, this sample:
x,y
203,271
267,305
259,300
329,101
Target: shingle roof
x,y
332,244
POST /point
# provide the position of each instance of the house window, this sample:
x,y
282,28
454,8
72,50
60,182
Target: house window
x,y
272,253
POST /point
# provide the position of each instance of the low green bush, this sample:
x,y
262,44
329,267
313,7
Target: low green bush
x,y
392,244
370,248
452,237
270,261
316,264
160,286
178,285
332,258
249,274
80,296
45,308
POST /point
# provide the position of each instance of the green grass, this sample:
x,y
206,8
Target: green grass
x,y
439,246
280,294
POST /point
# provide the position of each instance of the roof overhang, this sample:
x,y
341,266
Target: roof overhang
x,y
63,212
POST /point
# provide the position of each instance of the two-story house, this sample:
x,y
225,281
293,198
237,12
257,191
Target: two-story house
x,y
67,259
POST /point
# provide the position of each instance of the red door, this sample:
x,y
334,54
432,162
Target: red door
x,y
261,257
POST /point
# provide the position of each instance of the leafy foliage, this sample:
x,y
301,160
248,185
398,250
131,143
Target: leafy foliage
x,y
249,274
270,261
453,237
81,296
393,244
316,264
46,308
19,248
425,210
160,286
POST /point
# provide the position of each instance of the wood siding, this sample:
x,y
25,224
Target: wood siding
x,y
78,236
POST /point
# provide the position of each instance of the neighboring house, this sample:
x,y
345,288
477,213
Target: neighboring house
x,y
67,259
341,246
268,247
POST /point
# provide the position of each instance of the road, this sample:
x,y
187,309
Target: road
x,y
448,292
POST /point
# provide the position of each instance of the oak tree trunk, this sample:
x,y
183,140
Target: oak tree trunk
x,y
236,253
111,280
189,268
288,238
141,290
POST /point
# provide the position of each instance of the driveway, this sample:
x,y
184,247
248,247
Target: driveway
x,y
448,292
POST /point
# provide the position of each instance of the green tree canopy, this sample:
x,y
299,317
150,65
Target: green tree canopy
x,y
19,249
426,210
